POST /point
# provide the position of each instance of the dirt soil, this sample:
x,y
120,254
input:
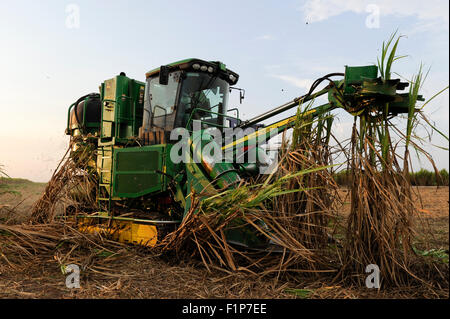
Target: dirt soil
x,y
134,273
17,197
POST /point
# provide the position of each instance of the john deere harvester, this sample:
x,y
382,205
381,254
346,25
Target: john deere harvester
x,y
146,176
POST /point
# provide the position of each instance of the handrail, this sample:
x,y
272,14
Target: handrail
x,y
86,100
165,115
81,125
210,112
234,109
68,116
84,114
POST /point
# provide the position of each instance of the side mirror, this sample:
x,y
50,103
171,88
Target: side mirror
x,y
241,93
164,75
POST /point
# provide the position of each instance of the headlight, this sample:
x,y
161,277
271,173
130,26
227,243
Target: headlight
x,y
232,78
210,69
203,68
196,66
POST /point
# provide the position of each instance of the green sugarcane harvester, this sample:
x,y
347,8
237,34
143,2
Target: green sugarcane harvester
x,y
142,191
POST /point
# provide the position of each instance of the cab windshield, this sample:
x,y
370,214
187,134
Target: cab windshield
x,y
203,97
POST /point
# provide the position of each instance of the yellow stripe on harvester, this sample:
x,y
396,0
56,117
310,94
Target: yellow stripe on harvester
x,y
265,129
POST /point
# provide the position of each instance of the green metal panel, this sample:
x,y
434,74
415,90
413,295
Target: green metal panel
x,y
402,103
122,108
136,184
139,171
357,74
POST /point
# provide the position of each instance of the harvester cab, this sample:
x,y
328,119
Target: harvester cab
x,y
185,91
146,177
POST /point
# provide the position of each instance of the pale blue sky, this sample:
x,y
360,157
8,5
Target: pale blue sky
x,y
45,66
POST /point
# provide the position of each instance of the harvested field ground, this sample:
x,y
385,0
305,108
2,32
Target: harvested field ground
x,y
17,196
435,213
132,272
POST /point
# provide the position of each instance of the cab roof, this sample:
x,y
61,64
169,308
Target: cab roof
x,y
218,67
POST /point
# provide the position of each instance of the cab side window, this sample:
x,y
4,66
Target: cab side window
x,y
163,97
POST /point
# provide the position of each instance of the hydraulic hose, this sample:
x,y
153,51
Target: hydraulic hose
x,y
293,103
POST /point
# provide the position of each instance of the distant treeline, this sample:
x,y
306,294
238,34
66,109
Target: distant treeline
x,y
419,178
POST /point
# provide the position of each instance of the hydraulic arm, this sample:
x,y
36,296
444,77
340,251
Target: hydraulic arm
x,y
360,87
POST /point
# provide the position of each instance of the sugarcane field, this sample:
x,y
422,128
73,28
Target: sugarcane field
x,y
199,151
